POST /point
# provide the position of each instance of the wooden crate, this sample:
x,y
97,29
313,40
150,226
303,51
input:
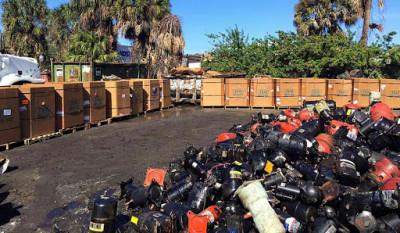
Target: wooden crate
x,y
362,87
94,101
262,92
390,92
136,87
213,92
151,94
69,104
340,91
10,130
313,89
118,98
287,93
237,92
165,93
37,110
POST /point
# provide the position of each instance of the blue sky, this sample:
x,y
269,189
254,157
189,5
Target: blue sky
x,y
255,17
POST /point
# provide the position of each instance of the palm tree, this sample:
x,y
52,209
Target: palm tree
x,y
90,47
25,25
365,7
318,17
96,16
63,22
168,43
135,21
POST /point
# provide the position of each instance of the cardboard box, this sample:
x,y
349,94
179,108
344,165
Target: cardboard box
x,y
10,130
262,92
362,87
37,110
165,93
390,92
151,94
94,101
237,92
212,92
118,98
69,104
340,91
136,87
287,92
313,89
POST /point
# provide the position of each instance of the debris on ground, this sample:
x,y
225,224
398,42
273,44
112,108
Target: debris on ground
x,y
321,169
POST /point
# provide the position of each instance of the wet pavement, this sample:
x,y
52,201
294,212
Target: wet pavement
x,y
49,184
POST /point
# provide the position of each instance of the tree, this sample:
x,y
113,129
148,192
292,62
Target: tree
x,y
228,52
25,25
89,47
167,45
136,19
95,16
319,17
63,22
365,7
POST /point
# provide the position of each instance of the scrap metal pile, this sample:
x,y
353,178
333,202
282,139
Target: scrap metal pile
x,y
322,169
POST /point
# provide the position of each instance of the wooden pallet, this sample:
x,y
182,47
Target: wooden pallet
x,y
266,108
169,107
10,145
150,111
213,107
229,107
119,118
72,129
90,125
30,141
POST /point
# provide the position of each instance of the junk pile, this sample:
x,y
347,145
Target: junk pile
x,y
321,169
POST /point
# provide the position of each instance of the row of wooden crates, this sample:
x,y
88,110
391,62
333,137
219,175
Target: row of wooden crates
x,y
272,92
34,110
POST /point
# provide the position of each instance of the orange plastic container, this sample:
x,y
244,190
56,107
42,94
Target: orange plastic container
x,y
262,92
362,87
390,92
340,91
212,92
287,93
237,92
313,89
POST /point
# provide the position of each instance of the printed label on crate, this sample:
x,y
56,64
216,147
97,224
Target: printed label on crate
x,y
7,112
60,113
383,87
237,92
86,102
395,94
365,92
43,111
330,86
316,93
123,96
98,102
341,92
23,108
289,93
73,105
86,118
262,93
355,89
277,88
131,96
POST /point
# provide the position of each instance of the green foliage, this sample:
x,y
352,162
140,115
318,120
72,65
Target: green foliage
x,y
25,25
86,47
291,55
